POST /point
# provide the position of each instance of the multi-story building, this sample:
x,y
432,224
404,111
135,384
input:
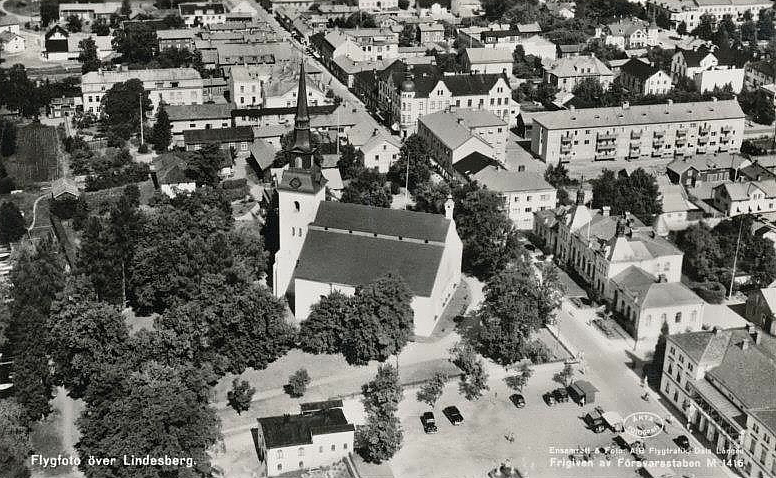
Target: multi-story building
x,y
523,193
761,309
566,73
456,133
174,86
179,38
724,384
625,262
380,149
202,14
641,77
377,5
664,130
310,440
272,86
431,33
689,171
190,117
707,68
88,12
465,8
246,84
751,197
375,43
410,92
690,12
629,33
487,61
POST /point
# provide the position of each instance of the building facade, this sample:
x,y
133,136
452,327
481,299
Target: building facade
x,y
202,14
690,12
750,197
566,73
638,76
671,130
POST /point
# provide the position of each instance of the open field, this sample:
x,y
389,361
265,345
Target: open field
x,y
25,8
35,159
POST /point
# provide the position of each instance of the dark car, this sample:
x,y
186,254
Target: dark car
x,y
683,443
561,395
429,423
549,398
518,400
453,414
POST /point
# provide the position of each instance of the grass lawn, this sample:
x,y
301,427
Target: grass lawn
x,y
25,200
23,7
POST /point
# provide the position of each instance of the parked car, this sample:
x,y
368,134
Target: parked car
x,y
549,398
595,421
683,443
429,423
561,394
453,414
518,400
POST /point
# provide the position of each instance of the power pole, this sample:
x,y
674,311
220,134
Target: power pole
x,y
141,118
735,258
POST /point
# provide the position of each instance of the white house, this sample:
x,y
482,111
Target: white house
x,y
641,77
745,197
487,60
11,42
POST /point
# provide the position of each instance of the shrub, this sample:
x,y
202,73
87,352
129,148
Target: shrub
x,y
711,292
143,148
297,383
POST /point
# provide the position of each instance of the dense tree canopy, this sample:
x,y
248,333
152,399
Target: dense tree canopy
x,y
12,226
636,193
136,44
382,436
415,150
324,328
367,188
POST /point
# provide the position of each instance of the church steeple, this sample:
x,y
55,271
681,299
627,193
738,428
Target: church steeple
x,y
302,147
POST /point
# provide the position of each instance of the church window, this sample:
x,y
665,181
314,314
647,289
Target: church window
x,y
296,206
293,231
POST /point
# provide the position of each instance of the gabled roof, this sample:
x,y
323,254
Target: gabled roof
x,y
769,296
706,162
649,293
218,135
473,163
579,66
627,27
464,85
263,153
639,69
64,186
292,430
741,191
503,181
489,55
205,111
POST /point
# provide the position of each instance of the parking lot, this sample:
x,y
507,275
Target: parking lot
x,y
544,437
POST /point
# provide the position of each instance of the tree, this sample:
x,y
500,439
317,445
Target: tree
x,y
558,177
233,326
204,165
702,253
12,227
382,436
705,29
7,142
180,57
658,356
367,188
404,4
73,24
350,162
474,381
430,197
323,329
126,8
240,396
636,193
565,376
408,35
589,93
121,107
432,390
603,51
15,444
298,382
520,380
382,321
525,66
100,27
88,56
49,11
415,150
549,293
756,105
765,28
136,44
158,411
490,240
161,135
681,29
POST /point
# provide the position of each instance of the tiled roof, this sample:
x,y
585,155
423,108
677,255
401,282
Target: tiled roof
x,y
218,135
262,152
105,8
651,294
191,8
303,180
503,181
706,162
740,191
675,199
176,33
464,85
579,66
626,27
160,74
473,163
489,55
293,430
640,114
639,69
453,128
206,111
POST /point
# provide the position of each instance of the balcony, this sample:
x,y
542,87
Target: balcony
x,y
565,148
681,133
681,141
606,137
657,143
659,134
726,129
704,130
605,147
566,139
703,139
635,134
607,155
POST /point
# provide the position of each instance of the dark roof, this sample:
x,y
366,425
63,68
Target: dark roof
x,y
286,110
315,406
303,180
572,48
425,77
219,135
639,69
461,85
57,29
383,221
191,8
473,163
499,33
357,259
756,172
291,430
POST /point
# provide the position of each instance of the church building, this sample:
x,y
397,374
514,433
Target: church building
x,y
327,246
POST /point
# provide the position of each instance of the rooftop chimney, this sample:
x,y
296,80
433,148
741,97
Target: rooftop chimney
x,y
745,344
606,210
449,207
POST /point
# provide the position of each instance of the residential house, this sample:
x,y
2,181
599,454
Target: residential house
x,y
8,23
661,130
431,33
168,174
539,47
173,86
566,73
196,117
236,138
643,78
202,14
724,384
754,171
761,309
465,8
707,68
452,135
411,91
565,10
380,148
750,197
64,189
487,61
301,5
55,44
570,50
690,171
290,443
523,193
180,38
11,42
690,12
280,90
629,34
88,12
678,211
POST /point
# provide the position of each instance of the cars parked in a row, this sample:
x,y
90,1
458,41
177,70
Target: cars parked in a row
x,y
428,420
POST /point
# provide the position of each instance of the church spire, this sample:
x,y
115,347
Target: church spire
x,y
302,147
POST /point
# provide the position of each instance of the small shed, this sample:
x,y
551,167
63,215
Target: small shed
x,y
64,189
583,392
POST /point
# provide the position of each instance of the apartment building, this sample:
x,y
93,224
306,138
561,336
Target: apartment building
x,y
190,117
641,77
88,12
502,36
202,14
707,68
750,197
174,86
625,262
566,73
487,61
431,33
310,440
629,33
670,130
410,92
456,133
690,12
724,383
523,193
179,38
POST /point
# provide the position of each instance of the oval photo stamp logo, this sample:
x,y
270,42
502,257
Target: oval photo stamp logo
x,y
643,424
